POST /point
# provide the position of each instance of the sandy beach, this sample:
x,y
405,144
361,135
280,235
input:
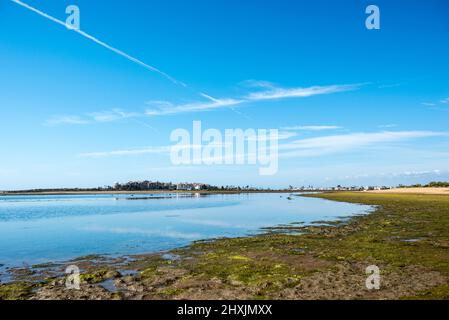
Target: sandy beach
x,y
415,191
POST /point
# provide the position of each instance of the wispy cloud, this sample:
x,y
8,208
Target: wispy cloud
x,y
59,120
426,174
436,172
273,93
127,152
112,115
269,92
300,148
434,105
101,43
94,117
161,107
282,135
319,146
312,128
388,86
257,84
390,125
167,108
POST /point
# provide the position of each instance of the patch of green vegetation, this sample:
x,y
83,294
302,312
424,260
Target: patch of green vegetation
x,y
91,257
241,258
244,262
172,291
44,265
433,184
16,291
117,296
150,267
260,297
149,272
98,276
388,235
437,293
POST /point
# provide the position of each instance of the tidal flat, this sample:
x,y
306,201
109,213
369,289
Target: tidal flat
x,y
406,236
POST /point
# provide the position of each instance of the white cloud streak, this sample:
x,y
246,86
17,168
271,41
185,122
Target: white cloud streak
x,y
312,128
313,147
274,93
435,104
427,174
94,117
167,108
129,152
60,120
64,120
101,43
390,125
160,108
302,148
270,92
112,115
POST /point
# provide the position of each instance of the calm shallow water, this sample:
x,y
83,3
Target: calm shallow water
x,y
40,229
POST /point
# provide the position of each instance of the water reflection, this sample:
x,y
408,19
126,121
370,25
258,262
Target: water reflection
x,y
39,229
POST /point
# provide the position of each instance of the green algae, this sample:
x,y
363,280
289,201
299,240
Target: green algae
x,y
380,236
16,291
98,276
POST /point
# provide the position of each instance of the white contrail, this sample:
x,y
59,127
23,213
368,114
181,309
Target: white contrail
x,y
88,36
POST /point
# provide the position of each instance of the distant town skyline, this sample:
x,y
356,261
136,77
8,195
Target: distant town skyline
x,y
352,106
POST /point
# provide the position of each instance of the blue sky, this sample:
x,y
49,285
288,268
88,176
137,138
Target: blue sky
x,y
360,106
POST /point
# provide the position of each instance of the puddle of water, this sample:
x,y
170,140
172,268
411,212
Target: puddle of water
x,y
171,257
125,273
109,285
